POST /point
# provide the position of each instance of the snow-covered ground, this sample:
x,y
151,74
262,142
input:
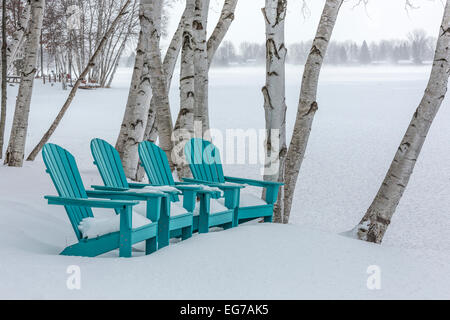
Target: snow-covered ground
x,y
363,113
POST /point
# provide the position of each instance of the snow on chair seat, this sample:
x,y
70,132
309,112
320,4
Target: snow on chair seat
x,y
92,227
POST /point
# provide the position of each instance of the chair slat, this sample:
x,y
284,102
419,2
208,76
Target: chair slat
x,y
204,161
66,178
108,162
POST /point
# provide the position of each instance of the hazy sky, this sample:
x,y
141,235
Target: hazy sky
x,y
381,19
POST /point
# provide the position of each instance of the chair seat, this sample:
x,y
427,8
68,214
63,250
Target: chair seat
x,y
248,200
92,228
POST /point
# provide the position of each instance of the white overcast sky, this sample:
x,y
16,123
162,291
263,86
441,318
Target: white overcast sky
x,y
380,19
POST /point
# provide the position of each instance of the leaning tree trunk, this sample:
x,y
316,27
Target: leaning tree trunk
x,y
307,104
3,79
221,29
375,222
184,126
201,111
90,65
275,97
16,148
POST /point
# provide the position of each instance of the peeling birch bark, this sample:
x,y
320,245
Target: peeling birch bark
x,y
375,222
308,106
15,153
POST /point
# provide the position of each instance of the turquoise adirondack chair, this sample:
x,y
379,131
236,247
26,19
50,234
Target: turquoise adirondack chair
x,y
119,233
211,213
204,161
173,224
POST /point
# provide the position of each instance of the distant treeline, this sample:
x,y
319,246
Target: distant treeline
x,y
417,48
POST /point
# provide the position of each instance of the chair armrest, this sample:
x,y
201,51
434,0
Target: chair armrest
x,y
272,187
138,185
106,188
195,189
124,195
222,186
78,202
256,183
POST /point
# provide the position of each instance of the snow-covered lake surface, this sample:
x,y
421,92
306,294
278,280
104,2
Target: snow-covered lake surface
x,y
363,114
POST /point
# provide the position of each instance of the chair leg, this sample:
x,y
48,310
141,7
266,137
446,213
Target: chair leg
x,y
228,226
186,233
236,218
125,248
163,232
268,219
151,245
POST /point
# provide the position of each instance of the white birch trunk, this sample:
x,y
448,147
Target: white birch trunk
x,y
275,96
135,118
133,113
159,83
184,126
201,111
375,222
15,153
307,103
170,60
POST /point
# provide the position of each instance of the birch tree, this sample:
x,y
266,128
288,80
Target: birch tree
x,y
308,105
159,82
201,112
135,117
274,93
16,148
375,222
184,126
170,60
84,73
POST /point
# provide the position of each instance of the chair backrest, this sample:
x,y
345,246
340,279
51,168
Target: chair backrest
x,y
156,164
63,170
204,160
108,162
